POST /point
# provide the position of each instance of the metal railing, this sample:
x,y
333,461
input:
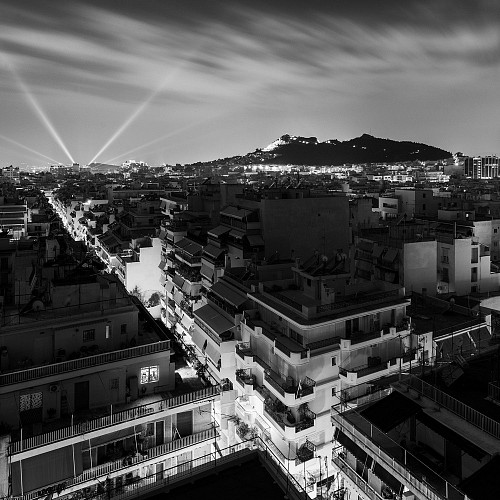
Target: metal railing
x,y
470,415
494,391
157,451
114,418
82,363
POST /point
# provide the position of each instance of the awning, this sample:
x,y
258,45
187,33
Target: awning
x,y
213,319
237,213
207,272
186,321
186,287
213,353
178,280
255,240
390,255
162,234
162,265
218,231
169,286
197,338
354,449
236,234
387,478
178,297
213,251
450,435
228,294
377,251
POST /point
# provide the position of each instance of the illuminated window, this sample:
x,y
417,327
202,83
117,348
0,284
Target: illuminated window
x,y
149,374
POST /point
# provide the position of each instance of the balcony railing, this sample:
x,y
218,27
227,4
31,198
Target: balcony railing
x,y
306,422
82,363
359,301
304,388
157,451
128,415
364,370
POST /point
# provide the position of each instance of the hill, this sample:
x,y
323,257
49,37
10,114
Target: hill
x,y
297,150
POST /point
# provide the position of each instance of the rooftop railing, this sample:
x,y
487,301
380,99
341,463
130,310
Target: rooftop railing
x,y
470,415
82,363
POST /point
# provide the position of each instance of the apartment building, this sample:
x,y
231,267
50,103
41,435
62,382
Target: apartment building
x,y
413,441
137,267
89,402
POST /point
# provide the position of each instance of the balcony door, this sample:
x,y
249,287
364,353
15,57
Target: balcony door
x,y
82,396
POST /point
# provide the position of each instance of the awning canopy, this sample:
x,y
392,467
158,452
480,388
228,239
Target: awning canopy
x,y
213,251
186,321
207,272
237,213
178,297
450,435
255,240
213,319
178,280
198,338
169,286
236,234
387,478
213,353
354,449
188,246
228,294
218,231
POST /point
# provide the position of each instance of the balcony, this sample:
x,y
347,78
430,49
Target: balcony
x,y
39,372
364,373
288,391
83,429
244,352
131,463
285,419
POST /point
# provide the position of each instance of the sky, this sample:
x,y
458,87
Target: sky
x,y
180,81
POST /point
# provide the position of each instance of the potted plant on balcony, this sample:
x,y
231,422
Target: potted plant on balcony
x,y
242,430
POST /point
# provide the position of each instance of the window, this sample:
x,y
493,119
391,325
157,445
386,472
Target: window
x,y
108,331
204,348
150,374
30,401
495,230
89,335
473,274
334,361
474,256
114,383
123,328
334,392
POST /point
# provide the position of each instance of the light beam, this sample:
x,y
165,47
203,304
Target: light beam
x,y
27,148
143,105
37,108
167,136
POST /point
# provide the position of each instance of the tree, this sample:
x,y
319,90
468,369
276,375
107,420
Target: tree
x,y
154,300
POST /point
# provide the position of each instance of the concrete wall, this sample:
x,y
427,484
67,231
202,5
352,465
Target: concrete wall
x,y
305,224
420,267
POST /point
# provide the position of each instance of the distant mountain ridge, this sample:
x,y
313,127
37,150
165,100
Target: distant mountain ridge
x,y
298,150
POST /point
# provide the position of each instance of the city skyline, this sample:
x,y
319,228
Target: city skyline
x,y
179,82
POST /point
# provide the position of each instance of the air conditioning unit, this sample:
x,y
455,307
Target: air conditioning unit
x,y
54,388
